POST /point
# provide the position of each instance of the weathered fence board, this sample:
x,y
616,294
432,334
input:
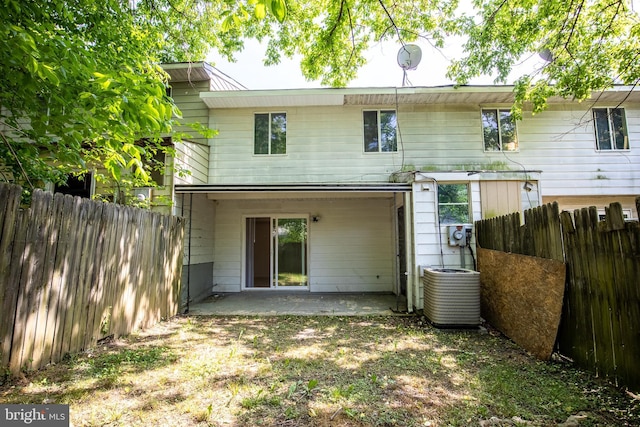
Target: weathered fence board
x,y
600,327
73,271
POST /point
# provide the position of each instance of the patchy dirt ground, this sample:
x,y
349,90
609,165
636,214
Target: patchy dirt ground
x,y
319,371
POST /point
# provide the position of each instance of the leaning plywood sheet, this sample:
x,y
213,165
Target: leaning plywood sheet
x,y
522,297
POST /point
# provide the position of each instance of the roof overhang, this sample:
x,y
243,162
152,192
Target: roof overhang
x,y
274,98
292,188
201,71
478,95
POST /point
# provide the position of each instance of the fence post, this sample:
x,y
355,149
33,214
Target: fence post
x,y
9,207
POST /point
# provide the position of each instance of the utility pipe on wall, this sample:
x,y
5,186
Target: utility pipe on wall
x,y
396,248
408,230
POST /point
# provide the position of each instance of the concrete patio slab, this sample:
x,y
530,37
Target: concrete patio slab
x,y
301,304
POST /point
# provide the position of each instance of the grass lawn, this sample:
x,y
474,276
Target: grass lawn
x,y
319,371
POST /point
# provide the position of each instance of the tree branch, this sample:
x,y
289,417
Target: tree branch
x,y
393,22
13,153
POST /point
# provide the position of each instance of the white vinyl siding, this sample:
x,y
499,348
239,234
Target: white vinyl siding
x,y
192,152
560,143
201,212
194,158
187,96
324,144
351,247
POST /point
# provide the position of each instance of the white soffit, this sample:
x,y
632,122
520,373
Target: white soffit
x,y
357,96
273,99
470,95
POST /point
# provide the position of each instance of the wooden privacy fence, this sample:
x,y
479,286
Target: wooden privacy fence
x,y
540,235
74,271
600,326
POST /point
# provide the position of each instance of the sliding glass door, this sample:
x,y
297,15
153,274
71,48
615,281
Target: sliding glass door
x,y
276,252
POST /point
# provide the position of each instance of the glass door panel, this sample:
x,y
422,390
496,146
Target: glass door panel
x,y
290,260
258,252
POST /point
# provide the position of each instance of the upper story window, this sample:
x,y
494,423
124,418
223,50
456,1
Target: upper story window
x,y
611,129
453,204
380,131
499,130
270,134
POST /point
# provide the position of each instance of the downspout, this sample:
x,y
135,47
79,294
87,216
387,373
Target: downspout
x,y
408,229
189,257
188,249
397,249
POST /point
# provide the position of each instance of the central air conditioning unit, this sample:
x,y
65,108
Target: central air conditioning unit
x,y
452,297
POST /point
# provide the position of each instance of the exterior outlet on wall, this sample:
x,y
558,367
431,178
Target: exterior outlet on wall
x,y
457,235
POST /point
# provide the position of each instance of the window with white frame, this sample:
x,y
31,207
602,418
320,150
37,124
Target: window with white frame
x,y
380,131
499,130
270,133
453,204
81,185
626,214
611,129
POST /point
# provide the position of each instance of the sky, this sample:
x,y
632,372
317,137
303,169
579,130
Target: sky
x,y
382,69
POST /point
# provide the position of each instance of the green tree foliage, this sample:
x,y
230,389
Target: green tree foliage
x,y
80,83
75,89
590,45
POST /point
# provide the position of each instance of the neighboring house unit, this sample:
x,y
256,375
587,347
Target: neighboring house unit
x,y
356,190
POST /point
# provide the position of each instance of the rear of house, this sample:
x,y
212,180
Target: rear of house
x,y
357,190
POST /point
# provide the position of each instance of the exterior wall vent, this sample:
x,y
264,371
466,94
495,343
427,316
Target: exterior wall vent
x,y
452,297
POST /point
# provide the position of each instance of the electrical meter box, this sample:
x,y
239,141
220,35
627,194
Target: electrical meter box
x,y
458,235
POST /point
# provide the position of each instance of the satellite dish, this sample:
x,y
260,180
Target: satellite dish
x,y
546,55
409,56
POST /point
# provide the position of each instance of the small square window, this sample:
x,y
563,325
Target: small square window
x,y
611,129
380,131
270,133
453,204
76,185
499,130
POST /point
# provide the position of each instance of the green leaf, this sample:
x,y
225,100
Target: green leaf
x,y
279,9
46,72
228,23
260,11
